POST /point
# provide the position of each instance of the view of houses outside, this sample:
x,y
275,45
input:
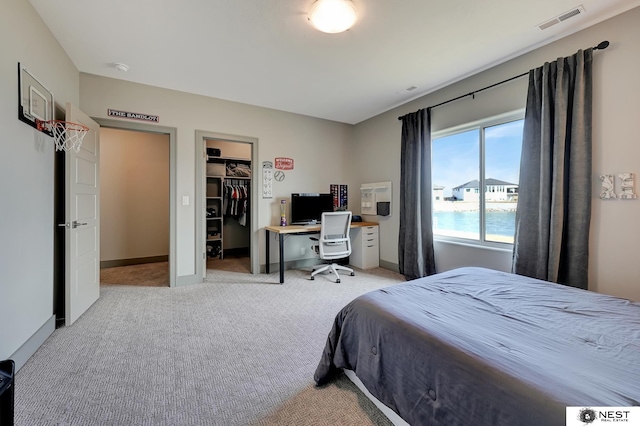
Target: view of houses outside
x,y
456,188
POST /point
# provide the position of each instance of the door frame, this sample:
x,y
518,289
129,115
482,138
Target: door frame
x,y
200,149
173,149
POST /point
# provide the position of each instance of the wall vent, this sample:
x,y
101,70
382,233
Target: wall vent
x,y
562,17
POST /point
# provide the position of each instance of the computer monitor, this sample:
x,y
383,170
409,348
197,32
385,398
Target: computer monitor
x,y
307,208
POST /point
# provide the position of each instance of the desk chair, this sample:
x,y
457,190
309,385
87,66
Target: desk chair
x,y
334,242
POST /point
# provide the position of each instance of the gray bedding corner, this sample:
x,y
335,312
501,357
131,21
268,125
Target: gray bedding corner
x,y
476,346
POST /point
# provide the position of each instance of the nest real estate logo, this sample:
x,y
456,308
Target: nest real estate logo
x,y
581,416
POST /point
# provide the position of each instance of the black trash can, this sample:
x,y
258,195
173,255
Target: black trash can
x,y
7,373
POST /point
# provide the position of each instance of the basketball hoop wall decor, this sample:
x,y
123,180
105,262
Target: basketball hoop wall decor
x,y
66,135
35,107
35,101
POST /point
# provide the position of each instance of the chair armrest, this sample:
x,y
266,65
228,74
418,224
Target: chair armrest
x,y
313,238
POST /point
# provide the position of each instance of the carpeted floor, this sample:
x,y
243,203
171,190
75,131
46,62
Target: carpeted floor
x,y
239,349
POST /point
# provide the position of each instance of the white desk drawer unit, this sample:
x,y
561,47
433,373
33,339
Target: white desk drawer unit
x,y
365,247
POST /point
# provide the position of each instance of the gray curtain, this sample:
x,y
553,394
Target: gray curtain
x,y
415,244
554,200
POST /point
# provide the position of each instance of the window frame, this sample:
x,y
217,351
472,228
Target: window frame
x,y
481,124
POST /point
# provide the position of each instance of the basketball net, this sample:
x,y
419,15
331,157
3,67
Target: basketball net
x,y
66,135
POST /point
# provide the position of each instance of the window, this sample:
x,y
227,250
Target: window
x,y
465,159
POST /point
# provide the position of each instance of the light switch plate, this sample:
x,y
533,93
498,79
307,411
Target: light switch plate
x,y
185,200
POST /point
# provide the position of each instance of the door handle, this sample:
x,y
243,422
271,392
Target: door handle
x,y
63,225
75,224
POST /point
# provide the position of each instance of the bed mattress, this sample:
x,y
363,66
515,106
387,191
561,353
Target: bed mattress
x,y
476,346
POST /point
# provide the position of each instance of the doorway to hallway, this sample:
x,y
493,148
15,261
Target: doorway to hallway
x,y
134,205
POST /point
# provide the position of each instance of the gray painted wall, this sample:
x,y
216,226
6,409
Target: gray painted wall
x,y
318,147
614,262
26,177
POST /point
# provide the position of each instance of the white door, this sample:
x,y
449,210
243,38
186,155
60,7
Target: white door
x,y
82,217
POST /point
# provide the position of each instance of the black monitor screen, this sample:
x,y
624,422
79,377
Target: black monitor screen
x,y
307,208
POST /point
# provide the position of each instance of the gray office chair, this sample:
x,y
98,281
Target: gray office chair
x,y
334,242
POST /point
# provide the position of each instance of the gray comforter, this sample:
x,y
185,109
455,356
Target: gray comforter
x,y
479,347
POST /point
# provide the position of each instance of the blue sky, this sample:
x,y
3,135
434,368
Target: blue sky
x,y
455,158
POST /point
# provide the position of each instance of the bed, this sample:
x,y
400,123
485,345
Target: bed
x,y
477,346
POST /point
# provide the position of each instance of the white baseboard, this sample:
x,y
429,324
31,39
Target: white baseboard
x,y
389,265
188,280
32,344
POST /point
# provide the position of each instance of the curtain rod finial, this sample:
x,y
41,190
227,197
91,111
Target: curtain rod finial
x,y
603,45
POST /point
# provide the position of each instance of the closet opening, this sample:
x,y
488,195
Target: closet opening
x,y
228,172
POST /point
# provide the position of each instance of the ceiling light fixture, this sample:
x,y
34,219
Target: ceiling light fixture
x,y
121,67
333,16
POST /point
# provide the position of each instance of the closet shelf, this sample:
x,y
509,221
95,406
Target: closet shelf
x,y
211,159
220,182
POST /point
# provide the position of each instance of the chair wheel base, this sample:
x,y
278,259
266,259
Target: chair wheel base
x,y
353,274
338,281
312,278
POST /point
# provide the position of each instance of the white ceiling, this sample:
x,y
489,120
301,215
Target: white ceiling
x,y
266,53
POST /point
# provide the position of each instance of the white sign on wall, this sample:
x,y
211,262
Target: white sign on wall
x,y
133,115
267,179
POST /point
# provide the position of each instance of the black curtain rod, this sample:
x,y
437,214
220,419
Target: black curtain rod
x,y
601,46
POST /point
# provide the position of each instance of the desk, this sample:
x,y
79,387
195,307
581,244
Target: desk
x,y
294,230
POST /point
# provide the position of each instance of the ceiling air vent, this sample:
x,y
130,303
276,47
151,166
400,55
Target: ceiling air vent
x,y
562,17
407,90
